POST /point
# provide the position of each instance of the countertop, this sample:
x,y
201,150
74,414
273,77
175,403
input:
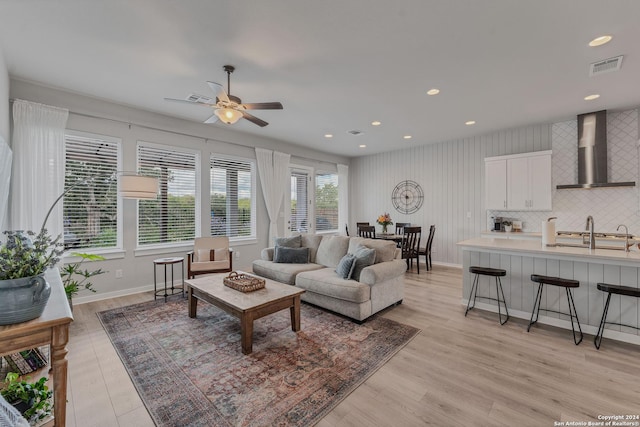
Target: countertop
x,y
534,247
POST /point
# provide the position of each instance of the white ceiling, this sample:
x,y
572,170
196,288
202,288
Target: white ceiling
x,y
337,65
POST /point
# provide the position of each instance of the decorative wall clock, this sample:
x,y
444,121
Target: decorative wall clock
x,y
407,197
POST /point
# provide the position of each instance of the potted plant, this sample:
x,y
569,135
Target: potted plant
x,y
32,399
507,225
75,278
24,257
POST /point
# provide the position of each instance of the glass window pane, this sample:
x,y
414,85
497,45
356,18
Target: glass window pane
x,y
326,201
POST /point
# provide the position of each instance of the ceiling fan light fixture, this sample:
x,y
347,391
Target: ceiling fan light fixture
x,y
228,115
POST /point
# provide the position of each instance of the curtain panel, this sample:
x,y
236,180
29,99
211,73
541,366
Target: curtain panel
x,y
343,197
5,179
273,168
37,178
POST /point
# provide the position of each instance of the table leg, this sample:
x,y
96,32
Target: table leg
x,y
60,337
155,283
295,314
182,263
246,332
165,283
193,303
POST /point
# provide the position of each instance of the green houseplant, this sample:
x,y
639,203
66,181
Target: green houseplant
x,y
32,399
24,257
75,277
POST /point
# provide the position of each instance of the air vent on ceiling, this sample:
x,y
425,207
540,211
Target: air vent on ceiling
x,y
200,98
355,132
605,66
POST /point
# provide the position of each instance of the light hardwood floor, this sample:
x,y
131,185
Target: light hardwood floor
x,y
458,371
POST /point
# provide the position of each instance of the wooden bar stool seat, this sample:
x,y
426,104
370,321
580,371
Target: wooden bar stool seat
x,y
618,290
567,284
492,272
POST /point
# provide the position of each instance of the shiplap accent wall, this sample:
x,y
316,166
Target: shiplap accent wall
x,y
452,176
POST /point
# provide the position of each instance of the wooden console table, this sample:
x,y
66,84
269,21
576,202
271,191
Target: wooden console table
x,y
51,328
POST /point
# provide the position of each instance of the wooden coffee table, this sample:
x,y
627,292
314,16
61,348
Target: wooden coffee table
x,y
247,306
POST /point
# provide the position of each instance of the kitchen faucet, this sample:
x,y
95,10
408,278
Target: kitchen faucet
x,y
626,236
592,237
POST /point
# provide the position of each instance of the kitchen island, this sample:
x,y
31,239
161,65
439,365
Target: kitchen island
x,y
521,258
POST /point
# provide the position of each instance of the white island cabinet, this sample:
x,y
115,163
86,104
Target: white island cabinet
x,y
522,258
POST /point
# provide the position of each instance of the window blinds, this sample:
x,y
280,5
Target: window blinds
x,y
232,197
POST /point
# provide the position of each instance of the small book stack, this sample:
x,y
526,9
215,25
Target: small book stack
x,y
26,361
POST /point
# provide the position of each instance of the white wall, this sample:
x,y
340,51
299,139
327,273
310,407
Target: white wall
x,y
452,177
138,268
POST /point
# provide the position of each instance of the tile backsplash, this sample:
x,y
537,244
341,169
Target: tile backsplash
x,y
608,206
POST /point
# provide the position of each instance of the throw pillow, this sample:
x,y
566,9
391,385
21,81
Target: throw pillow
x,y
221,254
203,255
364,258
288,242
291,255
345,266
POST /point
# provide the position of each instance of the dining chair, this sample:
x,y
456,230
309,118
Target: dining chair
x,y
400,227
360,224
367,231
410,245
426,251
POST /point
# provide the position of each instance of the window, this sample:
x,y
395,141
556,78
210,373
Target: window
x,y
326,207
91,207
171,218
232,197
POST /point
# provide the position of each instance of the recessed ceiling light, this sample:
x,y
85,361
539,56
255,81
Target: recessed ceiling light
x,y
328,135
599,41
376,123
363,146
433,91
470,122
591,97
407,137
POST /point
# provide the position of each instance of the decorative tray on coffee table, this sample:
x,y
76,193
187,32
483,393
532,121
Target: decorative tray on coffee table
x,y
243,282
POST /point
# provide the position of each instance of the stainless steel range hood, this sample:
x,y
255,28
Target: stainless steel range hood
x,y
592,153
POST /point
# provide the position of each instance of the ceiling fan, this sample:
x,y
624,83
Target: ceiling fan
x,y
228,108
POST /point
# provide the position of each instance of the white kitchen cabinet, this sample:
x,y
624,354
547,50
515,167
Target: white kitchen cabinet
x,y
519,182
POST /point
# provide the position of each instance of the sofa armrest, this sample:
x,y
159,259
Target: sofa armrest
x,y
382,271
267,254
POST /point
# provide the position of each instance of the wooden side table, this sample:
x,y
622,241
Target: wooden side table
x,y
167,262
51,328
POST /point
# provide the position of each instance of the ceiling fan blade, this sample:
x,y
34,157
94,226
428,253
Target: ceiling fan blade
x,y
253,119
184,101
219,91
263,106
212,119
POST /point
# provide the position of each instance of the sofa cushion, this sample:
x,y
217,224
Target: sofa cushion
x,y
326,282
364,258
203,255
221,254
209,265
288,242
311,241
331,250
291,255
345,266
283,273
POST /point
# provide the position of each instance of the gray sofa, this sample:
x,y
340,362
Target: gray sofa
x,y
379,286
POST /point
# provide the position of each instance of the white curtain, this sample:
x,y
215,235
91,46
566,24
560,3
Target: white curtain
x,y
38,166
343,197
5,175
273,168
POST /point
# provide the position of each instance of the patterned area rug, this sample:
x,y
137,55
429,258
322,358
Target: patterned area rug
x,y
191,372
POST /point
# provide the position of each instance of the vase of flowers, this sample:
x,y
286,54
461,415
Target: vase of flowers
x,y
24,257
385,221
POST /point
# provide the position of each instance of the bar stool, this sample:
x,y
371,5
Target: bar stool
x,y
618,290
493,272
567,284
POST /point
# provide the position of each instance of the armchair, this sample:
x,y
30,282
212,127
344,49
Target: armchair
x,y
209,255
